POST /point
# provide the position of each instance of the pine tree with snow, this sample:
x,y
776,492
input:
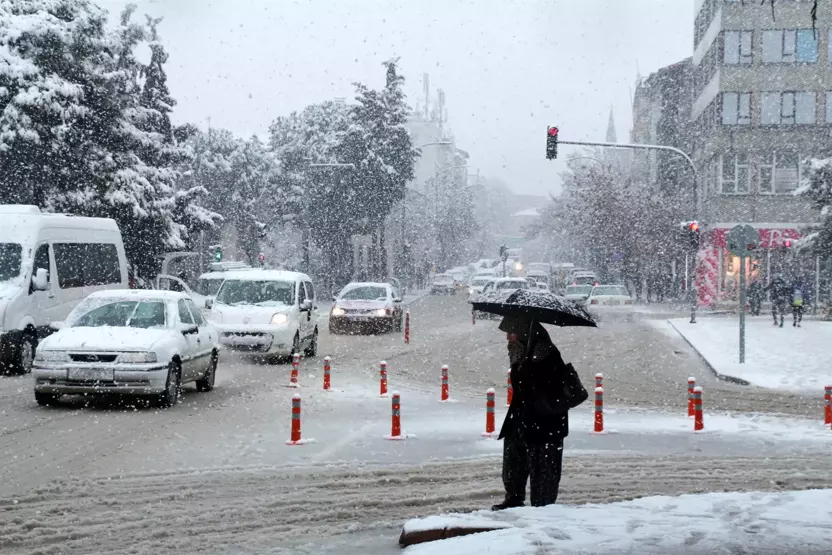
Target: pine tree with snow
x,y
817,187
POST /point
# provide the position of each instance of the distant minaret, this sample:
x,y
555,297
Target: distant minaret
x,y
611,129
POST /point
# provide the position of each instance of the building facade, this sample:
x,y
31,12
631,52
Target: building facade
x,y
762,104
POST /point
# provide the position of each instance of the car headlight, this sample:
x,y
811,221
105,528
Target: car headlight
x,y
49,356
280,318
337,311
381,312
137,358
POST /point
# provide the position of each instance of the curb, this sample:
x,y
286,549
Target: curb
x,y
722,377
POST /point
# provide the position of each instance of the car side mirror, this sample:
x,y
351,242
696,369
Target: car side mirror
x,y
397,300
334,298
209,303
306,305
58,324
189,329
40,281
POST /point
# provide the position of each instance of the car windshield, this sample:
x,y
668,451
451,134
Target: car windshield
x,y
512,285
11,255
365,293
258,293
578,289
609,290
480,281
443,278
209,286
96,313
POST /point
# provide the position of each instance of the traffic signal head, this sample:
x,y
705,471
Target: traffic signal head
x,y
694,226
787,243
552,142
218,254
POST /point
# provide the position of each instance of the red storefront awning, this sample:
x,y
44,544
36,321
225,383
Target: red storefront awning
x,y
769,238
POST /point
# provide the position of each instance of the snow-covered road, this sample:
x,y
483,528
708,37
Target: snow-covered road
x,y
213,474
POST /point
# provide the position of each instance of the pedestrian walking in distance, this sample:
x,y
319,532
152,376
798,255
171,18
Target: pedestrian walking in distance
x,y
780,295
537,421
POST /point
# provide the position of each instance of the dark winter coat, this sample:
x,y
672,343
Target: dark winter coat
x,y
536,411
781,292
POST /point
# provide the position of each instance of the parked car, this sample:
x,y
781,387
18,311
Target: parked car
x,y
130,342
374,306
443,284
266,312
578,293
606,301
48,264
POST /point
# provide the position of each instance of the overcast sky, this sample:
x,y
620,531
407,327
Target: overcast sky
x,y
508,68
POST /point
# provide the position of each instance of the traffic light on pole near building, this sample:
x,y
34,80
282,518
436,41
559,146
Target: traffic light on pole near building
x,y
693,231
218,254
551,142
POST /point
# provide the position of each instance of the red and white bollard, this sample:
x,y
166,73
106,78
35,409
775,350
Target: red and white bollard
x,y
445,395
827,401
407,327
382,375
509,389
698,417
599,380
295,439
293,381
327,370
489,413
599,411
691,386
396,423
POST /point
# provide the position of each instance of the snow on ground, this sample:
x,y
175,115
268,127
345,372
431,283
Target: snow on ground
x,y
786,358
713,523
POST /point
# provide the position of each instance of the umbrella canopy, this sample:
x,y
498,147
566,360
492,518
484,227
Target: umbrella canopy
x,y
542,306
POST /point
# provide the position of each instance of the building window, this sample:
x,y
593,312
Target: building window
x,y
788,108
736,108
829,107
786,172
790,45
736,174
738,48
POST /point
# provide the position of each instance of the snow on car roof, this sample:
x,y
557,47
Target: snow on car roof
x,y
354,284
139,294
265,275
504,279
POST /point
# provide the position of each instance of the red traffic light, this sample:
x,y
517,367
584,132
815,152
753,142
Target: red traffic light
x,y
694,226
553,131
787,244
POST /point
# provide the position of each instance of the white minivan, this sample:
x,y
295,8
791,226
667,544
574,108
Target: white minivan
x,y
269,312
48,264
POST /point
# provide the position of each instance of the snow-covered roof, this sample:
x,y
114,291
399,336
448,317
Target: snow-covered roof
x,y
265,275
139,294
528,212
357,284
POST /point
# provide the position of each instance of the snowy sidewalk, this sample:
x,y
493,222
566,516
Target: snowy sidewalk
x,y
789,358
766,523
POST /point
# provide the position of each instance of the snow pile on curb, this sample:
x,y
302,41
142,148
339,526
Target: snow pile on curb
x,y
779,358
782,522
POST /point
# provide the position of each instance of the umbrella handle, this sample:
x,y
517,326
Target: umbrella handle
x,y
532,339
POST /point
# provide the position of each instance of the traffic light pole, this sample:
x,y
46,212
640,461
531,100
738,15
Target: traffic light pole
x,y
690,163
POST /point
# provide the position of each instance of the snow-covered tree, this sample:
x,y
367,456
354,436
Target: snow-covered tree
x,y
817,187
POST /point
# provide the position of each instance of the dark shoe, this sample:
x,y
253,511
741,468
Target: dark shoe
x,y
507,504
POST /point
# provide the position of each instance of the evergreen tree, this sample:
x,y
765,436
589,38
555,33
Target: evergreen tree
x,y
817,187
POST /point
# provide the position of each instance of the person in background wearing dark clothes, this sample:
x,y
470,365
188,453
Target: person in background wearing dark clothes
x,y
755,297
780,296
532,433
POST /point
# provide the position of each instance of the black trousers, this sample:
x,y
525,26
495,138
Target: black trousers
x,y
538,463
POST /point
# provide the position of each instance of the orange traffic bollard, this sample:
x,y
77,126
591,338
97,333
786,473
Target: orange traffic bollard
x,y
445,395
599,410
691,385
509,389
396,424
293,382
295,439
407,327
599,380
827,400
698,417
327,370
382,379
489,413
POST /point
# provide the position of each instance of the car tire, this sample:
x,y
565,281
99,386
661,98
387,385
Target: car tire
x,y
173,386
312,350
206,383
24,355
46,399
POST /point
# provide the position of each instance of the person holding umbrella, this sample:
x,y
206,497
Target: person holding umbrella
x,y
545,388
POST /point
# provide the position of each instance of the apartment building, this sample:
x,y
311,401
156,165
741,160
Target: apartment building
x,y
762,103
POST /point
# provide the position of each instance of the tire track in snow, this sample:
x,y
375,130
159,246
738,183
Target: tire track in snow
x,y
262,508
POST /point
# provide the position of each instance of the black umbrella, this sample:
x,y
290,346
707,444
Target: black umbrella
x,y
539,306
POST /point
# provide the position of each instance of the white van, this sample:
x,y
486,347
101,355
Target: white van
x,y
48,264
270,312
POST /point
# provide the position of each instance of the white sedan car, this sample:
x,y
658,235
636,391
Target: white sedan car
x,y
610,301
133,342
578,293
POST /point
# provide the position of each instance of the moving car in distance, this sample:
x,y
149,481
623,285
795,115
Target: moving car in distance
x,y
443,284
584,277
267,312
500,284
477,283
578,293
130,342
373,306
610,301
